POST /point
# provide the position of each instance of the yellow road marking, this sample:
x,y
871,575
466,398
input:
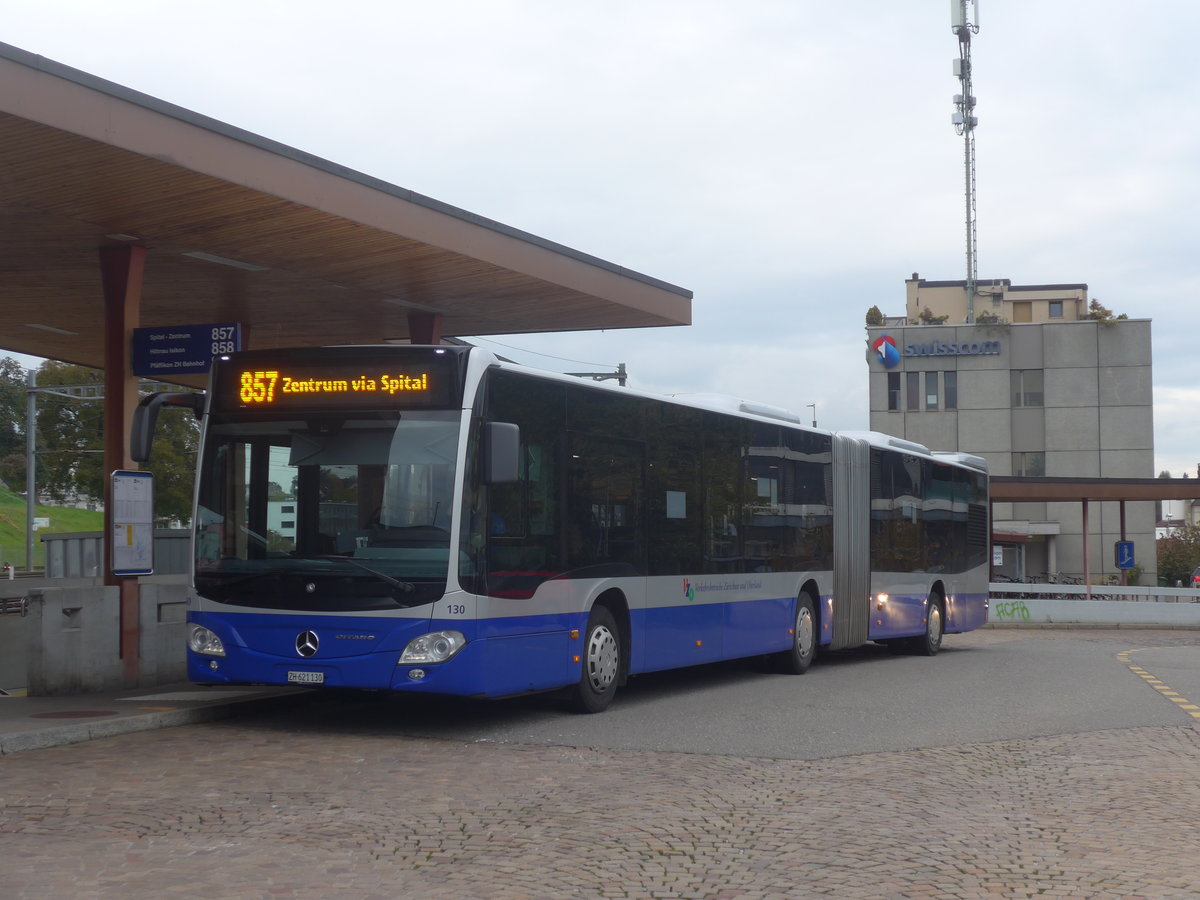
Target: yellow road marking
x,y
1163,688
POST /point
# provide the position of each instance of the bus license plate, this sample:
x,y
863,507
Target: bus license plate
x,y
306,677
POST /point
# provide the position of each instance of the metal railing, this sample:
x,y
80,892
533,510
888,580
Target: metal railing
x,y
14,606
1134,593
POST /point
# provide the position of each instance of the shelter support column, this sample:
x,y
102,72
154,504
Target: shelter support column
x,y
121,270
424,328
1087,556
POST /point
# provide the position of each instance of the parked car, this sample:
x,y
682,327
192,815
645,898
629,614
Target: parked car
x,y
1195,582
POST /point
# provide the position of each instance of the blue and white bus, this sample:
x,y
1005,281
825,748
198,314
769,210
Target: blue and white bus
x,y
436,519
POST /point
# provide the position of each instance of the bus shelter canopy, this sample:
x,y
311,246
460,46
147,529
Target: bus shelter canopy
x,y
237,228
1031,489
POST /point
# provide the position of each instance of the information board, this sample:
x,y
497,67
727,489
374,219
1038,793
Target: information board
x,y
132,523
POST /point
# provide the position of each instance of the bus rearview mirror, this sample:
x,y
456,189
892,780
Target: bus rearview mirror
x,y
145,417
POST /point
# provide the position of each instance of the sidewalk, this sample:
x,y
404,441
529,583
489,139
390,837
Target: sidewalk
x,y
34,723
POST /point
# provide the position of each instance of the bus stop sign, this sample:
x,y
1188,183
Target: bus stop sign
x,y
181,349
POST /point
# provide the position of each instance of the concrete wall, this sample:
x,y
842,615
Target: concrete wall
x,y
1065,604
1094,612
72,635
14,653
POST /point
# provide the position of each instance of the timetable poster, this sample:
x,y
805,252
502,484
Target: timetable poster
x,y
132,523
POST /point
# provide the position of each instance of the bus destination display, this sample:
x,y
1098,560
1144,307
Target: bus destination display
x,y
276,384
267,385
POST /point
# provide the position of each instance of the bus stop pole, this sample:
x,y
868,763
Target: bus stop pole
x,y
1124,572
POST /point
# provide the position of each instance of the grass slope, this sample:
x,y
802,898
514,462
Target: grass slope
x,y
12,527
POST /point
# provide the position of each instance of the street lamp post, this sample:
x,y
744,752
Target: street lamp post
x,y
30,462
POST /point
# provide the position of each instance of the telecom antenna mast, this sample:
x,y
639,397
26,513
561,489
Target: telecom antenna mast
x,y
964,21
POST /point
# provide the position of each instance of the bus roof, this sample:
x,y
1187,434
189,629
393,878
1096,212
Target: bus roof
x,y
750,409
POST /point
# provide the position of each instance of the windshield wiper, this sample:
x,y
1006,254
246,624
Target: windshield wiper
x,y
406,586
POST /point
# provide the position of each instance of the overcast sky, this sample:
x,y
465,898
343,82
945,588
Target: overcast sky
x,y
789,161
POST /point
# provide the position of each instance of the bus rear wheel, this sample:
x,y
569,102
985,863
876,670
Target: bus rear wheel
x,y
931,642
797,659
601,663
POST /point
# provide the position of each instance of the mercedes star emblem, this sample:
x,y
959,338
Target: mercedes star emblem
x,y
307,643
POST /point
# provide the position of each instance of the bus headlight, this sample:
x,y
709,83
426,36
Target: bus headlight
x,y
435,647
202,640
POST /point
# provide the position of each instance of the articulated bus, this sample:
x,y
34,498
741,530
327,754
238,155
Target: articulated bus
x,y
435,519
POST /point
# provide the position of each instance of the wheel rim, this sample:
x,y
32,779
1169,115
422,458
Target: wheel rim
x,y
934,622
804,632
602,657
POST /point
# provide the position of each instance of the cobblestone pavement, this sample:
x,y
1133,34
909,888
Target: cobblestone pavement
x,y
236,810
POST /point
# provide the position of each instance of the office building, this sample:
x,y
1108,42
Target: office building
x,y
1038,386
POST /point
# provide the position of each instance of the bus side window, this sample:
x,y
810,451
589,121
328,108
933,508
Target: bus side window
x,y
521,520
606,490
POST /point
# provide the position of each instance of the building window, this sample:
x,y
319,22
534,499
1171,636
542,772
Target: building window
x,y
951,390
1023,311
913,389
1030,463
893,389
287,524
931,390
1027,387
1056,309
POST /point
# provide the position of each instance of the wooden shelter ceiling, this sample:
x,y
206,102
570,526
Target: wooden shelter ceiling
x,y
328,255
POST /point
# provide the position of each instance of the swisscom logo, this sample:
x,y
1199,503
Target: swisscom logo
x,y
890,355
885,347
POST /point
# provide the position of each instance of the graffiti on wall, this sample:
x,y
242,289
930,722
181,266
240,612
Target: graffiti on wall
x,y
1011,611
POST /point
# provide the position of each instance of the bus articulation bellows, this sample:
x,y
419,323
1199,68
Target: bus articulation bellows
x,y
437,520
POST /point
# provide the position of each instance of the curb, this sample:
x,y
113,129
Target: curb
x,y
61,735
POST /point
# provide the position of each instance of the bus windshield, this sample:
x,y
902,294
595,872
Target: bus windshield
x,y
333,512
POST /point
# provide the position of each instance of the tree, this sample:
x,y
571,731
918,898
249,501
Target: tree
x,y
1101,313
1179,554
173,463
276,492
71,444
70,434
874,316
12,423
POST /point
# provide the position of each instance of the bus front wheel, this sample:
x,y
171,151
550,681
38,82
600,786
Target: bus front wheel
x,y
601,663
797,659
